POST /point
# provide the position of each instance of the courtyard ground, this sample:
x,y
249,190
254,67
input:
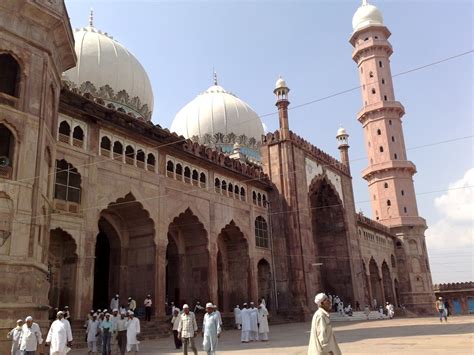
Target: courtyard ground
x,y
397,336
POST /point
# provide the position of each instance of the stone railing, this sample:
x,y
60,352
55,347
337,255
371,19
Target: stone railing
x,y
372,224
454,286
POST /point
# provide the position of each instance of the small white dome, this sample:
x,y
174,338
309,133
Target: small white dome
x,y
341,132
365,16
115,74
281,83
219,118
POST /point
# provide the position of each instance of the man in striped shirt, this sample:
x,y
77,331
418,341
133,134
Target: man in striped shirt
x,y
187,330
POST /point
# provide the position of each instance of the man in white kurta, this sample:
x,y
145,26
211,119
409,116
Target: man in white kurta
x,y
133,329
30,336
14,336
211,330
91,332
322,340
245,324
253,312
59,336
263,328
238,317
115,302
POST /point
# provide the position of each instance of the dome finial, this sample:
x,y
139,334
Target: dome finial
x,y
215,76
365,2
91,18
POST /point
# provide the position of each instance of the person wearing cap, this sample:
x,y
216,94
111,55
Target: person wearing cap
x,y
238,317
198,308
67,313
132,304
263,328
115,302
14,336
121,329
113,338
30,337
211,329
441,309
390,310
59,337
133,329
253,314
106,332
92,331
147,303
322,340
187,330
175,322
245,323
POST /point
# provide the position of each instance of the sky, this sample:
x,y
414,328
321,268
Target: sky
x,y
251,42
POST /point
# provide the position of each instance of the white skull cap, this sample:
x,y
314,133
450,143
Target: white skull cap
x,y
209,305
320,297
185,306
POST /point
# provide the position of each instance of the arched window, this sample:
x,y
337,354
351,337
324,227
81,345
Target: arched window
x,y
381,149
187,175
118,151
105,146
9,75
393,139
395,156
78,137
230,189
141,159
385,185
64,132
254,197
67,183
242,193
379,132
236,191
170,169
389,203
195,177
224,187
259,199
151,161
373,91
7,146
264,201
202,180
403,193
261,232
179,171
130,155
217,185
371,75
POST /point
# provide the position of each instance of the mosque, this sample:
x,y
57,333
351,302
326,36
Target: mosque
x,y
95,199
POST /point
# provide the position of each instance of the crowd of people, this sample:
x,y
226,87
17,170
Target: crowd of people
x,y
337,305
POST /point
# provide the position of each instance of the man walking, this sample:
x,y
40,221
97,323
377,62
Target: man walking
x,y
211,330
115,302
440,307
133,329
175,323
106,328
245,315
30,337
263,328
238,317
187,330
59,337
253,314
121,329
147,303
322,340
14,336
132,304
92,331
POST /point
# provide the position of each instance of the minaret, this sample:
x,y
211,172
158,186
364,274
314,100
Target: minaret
x,y
281,92
343,140
390,173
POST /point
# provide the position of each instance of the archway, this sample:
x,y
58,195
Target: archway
x,y
264,281
125,253
387,284
375,282
234,261
62,265
187,260
330,240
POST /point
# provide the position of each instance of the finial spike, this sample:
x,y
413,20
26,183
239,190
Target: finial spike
x,y
215,77
365,2
91,18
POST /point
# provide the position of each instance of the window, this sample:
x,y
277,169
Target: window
x,y
67,185
385,97
373,91
141,158
118,150
187,175
376,37
389,203
393,139
264,201
202,180
151,161
390,122
259,199
381,149
105,146
380,64
379,132
405,209
383,81
403,193
242,194
179,171
78,137
195,177
385,185
371,75
236,191
217,185
261,232
9,75
64,132
254,197
7,146
169,169
224,187
230,188
395,156
366,38
129,155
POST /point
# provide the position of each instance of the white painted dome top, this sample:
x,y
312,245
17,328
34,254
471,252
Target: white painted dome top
x,y
341,132
280,83
106,69
365,16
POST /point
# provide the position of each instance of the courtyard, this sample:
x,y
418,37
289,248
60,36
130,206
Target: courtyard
x,y
397,336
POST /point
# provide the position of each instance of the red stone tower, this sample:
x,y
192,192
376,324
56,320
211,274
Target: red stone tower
x,y
390,173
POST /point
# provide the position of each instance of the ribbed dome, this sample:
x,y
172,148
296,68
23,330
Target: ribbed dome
x,y
106,69
219,118
341,132
365,16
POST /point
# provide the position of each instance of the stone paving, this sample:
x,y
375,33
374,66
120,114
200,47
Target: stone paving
x,y
397,336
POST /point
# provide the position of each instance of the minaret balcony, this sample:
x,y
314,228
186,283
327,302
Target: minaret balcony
x,y
371,46
382,168
379,110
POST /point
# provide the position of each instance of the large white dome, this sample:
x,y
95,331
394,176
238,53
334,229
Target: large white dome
x,y
106,69
365,16
219,118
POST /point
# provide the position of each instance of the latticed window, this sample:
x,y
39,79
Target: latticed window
x,y
261,232
67,185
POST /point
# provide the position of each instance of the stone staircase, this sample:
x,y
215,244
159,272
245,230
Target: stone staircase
x,y
357,317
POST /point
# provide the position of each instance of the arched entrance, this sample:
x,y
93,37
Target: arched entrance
x,y
330,240
62,264
387,284
187,260
264,281
233,267
124,253
375,283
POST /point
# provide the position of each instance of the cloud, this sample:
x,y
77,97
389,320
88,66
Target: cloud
x,y
455,227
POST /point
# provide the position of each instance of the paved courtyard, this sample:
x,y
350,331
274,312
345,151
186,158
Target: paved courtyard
x,y
398,336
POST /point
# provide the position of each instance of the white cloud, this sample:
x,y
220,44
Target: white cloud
x,y
455,228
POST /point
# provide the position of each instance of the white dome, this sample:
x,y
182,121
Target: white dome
x,y
219,118
341,132
115,74
281,83
365,16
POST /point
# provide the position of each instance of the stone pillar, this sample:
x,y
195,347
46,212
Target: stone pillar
x,y
212,272
160,279
253,280
85,276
